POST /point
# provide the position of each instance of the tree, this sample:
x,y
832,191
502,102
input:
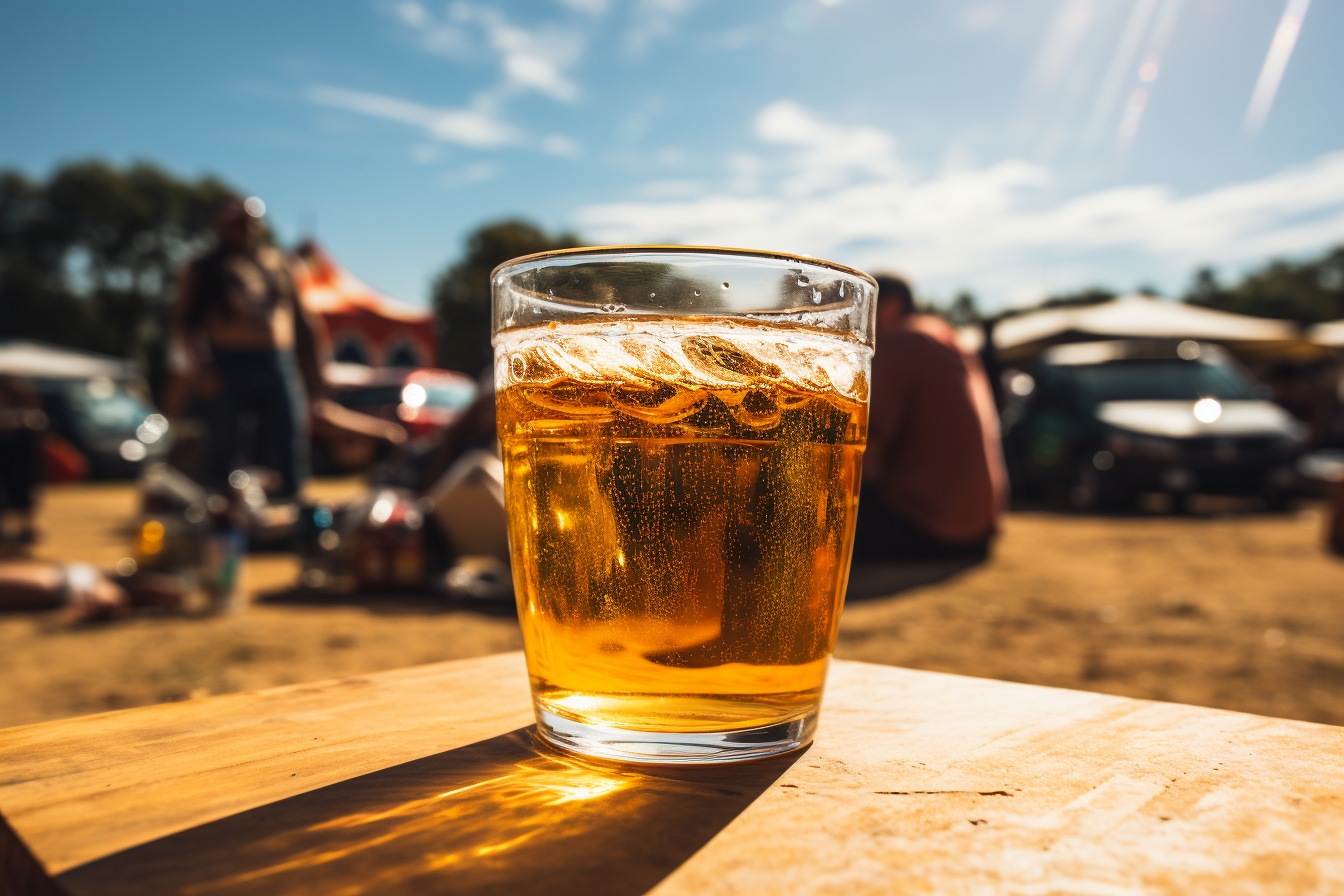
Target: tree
x,y
963,311
88,258
1092,295
1307,291
462,292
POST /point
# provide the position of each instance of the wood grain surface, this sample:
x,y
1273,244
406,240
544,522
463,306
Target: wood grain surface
x,y
430,780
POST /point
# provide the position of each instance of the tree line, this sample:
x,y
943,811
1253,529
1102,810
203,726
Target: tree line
x,y
89,256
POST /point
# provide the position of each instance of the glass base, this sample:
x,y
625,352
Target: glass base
x,y
668,747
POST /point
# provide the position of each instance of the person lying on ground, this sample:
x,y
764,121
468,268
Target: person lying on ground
x,y
82,592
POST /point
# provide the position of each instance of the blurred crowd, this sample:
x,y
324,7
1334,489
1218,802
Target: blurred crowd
x,y
255,397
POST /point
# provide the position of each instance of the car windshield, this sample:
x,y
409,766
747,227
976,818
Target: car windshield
x,y
451,395
115,413
1153,380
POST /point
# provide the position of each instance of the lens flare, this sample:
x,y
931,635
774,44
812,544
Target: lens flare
x,y
1276,63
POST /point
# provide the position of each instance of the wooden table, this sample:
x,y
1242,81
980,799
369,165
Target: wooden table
x,y
428,780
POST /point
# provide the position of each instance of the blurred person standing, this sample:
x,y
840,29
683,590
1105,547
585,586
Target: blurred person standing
x,y
243,338
934,482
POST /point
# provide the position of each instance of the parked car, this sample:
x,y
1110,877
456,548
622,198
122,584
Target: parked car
x,y
100,404
1101,422
110,420
423,400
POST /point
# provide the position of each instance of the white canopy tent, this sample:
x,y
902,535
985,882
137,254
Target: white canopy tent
x,y
1330,333
39,359
1134,316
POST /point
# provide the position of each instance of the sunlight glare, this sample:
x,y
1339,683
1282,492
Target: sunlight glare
x,y
1276,62
1208,410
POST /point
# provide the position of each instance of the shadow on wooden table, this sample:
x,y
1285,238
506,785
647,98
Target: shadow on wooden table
x,y
506,815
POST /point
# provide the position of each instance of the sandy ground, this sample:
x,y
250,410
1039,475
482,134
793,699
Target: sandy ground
x,y
1240,611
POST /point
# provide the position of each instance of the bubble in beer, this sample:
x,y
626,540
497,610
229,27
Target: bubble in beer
x,y
612,308
816,296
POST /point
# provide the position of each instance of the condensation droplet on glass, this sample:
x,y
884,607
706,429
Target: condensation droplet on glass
x,y
697,292
652,294
725,284
842,289
551,325
613,308
518,365
816,296
802,279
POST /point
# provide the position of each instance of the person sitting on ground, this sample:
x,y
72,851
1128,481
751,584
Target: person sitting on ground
x,y
934,481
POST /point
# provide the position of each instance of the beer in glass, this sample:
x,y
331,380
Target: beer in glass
x,y
682,433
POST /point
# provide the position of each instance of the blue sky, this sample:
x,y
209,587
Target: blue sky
x,y
1006,148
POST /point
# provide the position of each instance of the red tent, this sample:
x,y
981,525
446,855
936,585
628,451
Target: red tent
x,y
365,326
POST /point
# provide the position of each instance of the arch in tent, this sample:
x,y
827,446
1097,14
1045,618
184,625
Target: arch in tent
x,y
365,326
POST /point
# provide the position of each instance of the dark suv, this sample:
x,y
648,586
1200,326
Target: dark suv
x,y
1101,422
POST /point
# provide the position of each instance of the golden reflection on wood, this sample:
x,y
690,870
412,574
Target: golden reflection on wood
x,y
426,780
507,815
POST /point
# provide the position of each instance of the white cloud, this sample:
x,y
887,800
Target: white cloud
x,y
672,189
562,146
842,192
653,20
732,39
529,59
468,127
533,60
436,36
592,7
475,173
412,13
823,155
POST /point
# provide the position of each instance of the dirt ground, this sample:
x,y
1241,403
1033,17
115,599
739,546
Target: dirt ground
x,y
1235,610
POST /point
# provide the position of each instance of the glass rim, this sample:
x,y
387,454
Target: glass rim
x,y
667,249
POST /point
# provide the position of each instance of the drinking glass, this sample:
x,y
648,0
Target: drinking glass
x,y
682,433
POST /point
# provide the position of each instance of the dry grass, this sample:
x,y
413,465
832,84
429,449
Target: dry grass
x,y
1238,611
